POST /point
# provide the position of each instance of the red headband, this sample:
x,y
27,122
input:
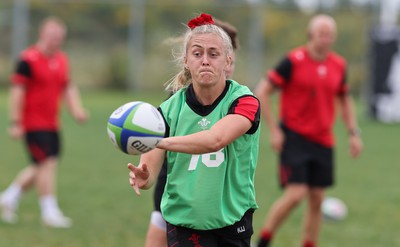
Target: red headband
x,y
203,19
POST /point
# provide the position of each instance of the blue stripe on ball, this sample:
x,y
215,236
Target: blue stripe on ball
x,y
125,134
120,121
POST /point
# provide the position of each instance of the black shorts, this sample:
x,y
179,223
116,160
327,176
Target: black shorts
x,y
305,162
160,185
42,145
236,235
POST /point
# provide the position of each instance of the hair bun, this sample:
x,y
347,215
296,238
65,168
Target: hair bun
x,y
203,19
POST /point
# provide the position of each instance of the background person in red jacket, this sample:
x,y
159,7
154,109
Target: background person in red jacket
x,y
311,78
39,84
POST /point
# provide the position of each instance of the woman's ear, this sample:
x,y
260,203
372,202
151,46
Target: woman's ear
x,y
185,63
229,60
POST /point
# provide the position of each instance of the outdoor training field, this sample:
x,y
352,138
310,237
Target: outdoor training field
x,y
94,189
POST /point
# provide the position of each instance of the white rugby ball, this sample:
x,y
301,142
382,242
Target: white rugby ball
x,y
136,127
333,209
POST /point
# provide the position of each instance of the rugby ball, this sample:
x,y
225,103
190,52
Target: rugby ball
x,y
135,127
333,209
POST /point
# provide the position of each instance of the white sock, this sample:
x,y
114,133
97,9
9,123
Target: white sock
x,y
12,194
48,205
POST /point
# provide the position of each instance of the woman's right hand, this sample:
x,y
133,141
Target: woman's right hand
x,y
138,176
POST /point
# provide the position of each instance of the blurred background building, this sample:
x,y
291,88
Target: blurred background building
x,y
120,44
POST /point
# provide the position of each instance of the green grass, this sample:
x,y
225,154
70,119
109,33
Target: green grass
x,y
94,190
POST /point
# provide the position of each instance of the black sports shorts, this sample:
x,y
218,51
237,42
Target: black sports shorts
x,y
305,162
42,145
236,235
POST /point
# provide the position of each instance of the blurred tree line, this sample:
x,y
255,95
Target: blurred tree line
x,y
97,41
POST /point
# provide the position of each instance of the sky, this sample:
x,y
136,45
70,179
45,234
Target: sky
x,y
389,9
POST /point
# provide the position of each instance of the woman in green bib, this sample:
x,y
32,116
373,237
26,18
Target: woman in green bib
x,y
211,146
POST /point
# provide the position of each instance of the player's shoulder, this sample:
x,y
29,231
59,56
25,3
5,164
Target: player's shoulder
x,y
62,54
236,87
337,58
174,97
30,54
297,54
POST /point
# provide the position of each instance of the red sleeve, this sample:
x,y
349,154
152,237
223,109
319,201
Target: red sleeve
x,y
18,79
247,106
22,73
282,72
275,78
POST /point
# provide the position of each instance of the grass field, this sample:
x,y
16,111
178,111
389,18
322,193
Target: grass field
x,y
94,190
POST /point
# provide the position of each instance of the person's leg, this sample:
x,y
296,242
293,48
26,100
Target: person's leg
x,y
321,177
46,176
156,237
312,217
26,178
294,178
280,210
46,187
45,184
45,149
9,199
22,182
156,234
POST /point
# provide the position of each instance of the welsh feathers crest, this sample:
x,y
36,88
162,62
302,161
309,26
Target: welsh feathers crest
x,y
203,123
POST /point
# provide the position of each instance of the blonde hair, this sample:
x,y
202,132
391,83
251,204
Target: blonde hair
x,y
183,78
